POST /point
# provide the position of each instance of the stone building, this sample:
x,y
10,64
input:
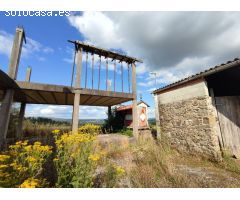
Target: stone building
x,y
201,114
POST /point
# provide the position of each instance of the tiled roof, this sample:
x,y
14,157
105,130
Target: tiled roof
x,y
127,107
205,73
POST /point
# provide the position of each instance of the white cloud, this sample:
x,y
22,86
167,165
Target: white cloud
x,y
30,48
174,44
141,69
98,28
48,50
52,111
6,43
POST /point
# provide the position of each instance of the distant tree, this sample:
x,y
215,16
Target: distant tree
x,y
114,122
43,120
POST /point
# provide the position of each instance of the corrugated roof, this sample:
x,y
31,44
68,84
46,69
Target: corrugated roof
x,y
204,73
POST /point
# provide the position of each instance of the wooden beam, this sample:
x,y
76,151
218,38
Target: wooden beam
x,y
42,97
66,98
104,52
95,100
89,97
105,103
33,100
100,101
54,97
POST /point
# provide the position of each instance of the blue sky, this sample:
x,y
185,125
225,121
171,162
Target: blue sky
x,y
50,56
172,44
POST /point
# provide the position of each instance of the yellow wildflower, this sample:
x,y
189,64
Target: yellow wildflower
x,y
120,170
25,143
56,131
18,143
55,159
31,159
37,143
3,166
4,157
13,164
94,157
30,183
28,148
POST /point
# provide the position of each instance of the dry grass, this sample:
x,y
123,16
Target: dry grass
x,y
31,129
153,164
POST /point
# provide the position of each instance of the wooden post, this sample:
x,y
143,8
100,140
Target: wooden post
x,y
12,72
218,126
134,109
157,117
22,108
92,70
75,116
86,70
106,73
122,74
99,72
115,76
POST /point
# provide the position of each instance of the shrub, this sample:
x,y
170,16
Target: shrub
x,y
75,159
115,121
22,165
91,129
127,132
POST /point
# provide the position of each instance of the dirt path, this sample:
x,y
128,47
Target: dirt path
x,y
208,176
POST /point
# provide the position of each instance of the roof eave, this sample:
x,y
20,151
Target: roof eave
x,y
203,74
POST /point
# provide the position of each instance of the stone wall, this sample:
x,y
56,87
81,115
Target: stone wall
x,y
190,125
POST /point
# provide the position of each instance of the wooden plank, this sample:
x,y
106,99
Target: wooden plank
x,y
48,96
85,99
229,117
66,98
107,102
218,127
54,97
60,97
92,99
100,101
42,97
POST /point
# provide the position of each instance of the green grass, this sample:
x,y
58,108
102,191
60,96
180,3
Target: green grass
x,y
126,131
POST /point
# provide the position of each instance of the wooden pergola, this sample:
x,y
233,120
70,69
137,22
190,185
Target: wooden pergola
x,y
27,92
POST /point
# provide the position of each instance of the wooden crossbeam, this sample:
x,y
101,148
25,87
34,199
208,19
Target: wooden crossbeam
x,y
104,52
54,97
42,97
